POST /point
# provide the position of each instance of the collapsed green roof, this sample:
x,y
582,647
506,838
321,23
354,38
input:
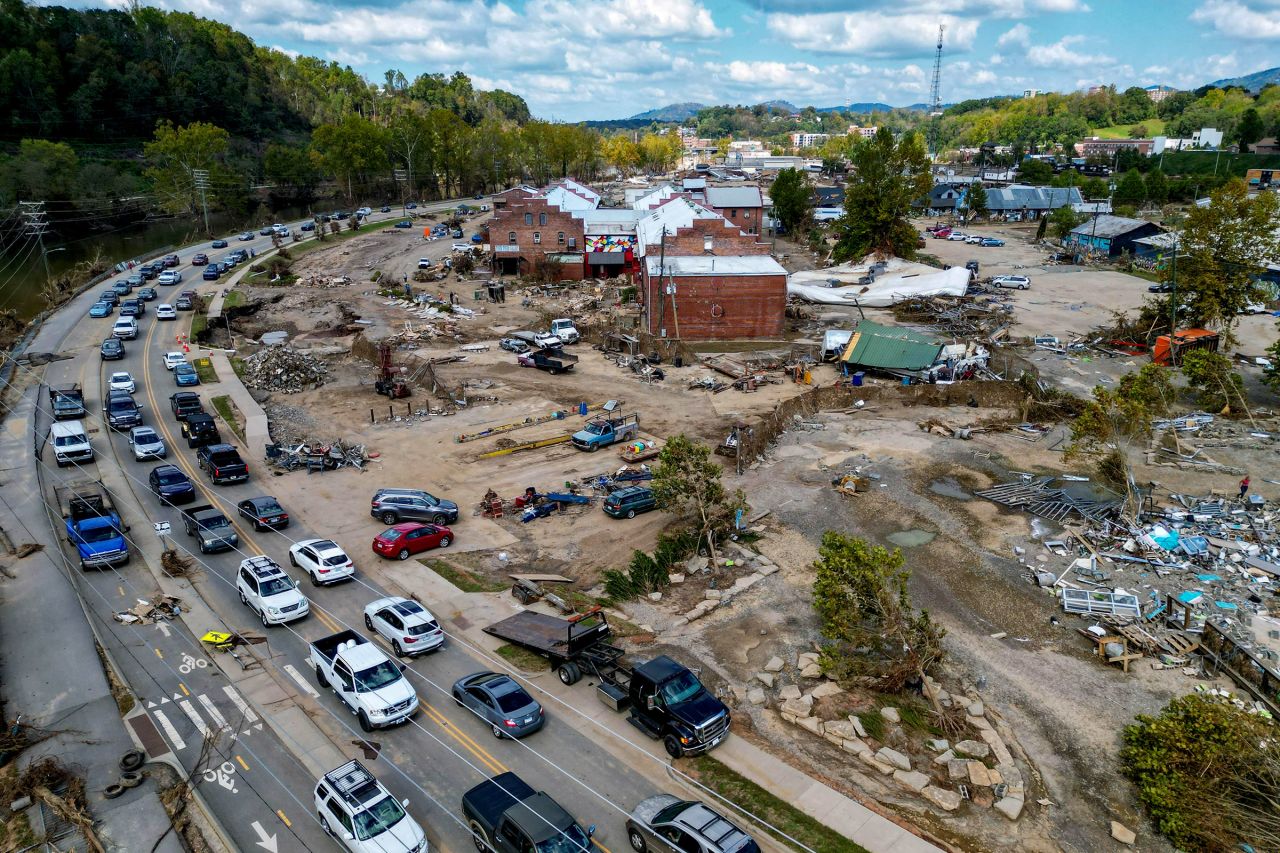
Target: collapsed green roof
x,y
890,348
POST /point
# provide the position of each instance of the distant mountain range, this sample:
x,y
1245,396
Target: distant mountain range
x,y
682,111
1250,82
671,112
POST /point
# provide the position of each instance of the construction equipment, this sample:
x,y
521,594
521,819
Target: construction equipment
x,y
389,383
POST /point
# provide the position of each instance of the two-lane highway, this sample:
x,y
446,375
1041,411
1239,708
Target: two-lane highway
x,y
431,761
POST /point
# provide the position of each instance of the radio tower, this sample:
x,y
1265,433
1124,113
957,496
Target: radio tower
x,y
936,95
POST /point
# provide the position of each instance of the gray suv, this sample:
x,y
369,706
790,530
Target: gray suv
x,y
391,506
667,824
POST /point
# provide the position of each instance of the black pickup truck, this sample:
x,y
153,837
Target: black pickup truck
x,y
67,402
211,527
222,463
122,412
505,815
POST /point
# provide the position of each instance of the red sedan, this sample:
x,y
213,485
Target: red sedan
x,y
411,537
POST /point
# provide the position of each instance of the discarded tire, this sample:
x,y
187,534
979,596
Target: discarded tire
x,y
133,760
112,791
130,779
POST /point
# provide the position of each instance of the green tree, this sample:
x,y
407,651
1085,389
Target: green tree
x,y
352,151
686,482
1062,220
1223,247
41,171
887,175
1217,386
1250,129
1036,172
1094,188
864,611
977,200
1117,419
1157,188
792,199
175,155
1131,190
290,170
1208,773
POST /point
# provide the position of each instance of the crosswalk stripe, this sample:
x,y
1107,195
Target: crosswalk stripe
x,y
302,682
190,711
178,742
213,712
241,705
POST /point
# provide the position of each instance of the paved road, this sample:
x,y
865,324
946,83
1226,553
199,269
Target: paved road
x,y
258,778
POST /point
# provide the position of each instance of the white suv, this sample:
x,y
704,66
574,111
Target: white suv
x,y
406,624
362,816
322,559
268,591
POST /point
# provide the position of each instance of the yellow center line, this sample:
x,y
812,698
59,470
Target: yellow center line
x,y
183,687
286,820
241,762
601,846
481,755
157,651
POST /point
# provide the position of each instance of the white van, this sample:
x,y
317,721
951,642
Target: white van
x,y
126,329
70,443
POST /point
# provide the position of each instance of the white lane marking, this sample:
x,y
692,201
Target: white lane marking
x,y
241,705
174,738
302,682
212,711
190,711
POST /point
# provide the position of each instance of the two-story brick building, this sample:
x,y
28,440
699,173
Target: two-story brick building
x,y
531,227
742,206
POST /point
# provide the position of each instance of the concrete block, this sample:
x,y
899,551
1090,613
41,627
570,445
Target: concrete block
x,y
1010,807
827,688
857,725
810,723
775,664
944,757
797,707
891,714
912,780
765,678
892,756
973,748
789,691
1122,833
942,798
756,695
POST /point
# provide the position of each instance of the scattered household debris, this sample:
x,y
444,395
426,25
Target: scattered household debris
x,y
1037,497
283,369
159,608
314,456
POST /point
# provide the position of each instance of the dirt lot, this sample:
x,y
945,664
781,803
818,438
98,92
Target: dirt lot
x,y
1065,707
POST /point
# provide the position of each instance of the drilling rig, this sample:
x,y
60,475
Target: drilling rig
x,y
390,382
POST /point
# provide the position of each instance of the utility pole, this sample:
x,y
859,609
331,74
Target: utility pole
x,y
35,224
201,178
402,175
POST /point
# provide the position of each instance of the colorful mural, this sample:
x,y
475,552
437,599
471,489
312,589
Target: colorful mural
x,y
611,243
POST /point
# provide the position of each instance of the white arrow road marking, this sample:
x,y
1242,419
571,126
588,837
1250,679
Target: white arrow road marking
x,y
178,742
164,629
195,718
213,712
266,842
302,682
241,705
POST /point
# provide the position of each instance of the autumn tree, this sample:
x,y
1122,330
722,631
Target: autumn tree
x,y
1217,386
887,175
1223,248
792,199
352,151
1117,419
865,613
621,153
176,154
686,482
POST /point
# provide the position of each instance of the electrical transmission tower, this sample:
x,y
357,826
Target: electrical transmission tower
x,y
35,224
935,99
201,178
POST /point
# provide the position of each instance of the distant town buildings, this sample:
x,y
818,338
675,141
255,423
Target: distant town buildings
x,y
1159,93
1095,146
1027,94
864,132
1205,138
808,140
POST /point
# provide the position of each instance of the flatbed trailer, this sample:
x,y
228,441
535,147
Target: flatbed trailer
x,y
577,645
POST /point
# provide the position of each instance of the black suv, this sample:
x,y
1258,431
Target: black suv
x,y
200,429
112,349
185,403
392,506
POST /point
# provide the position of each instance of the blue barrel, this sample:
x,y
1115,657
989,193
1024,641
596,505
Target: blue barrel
x,y
906,380
857,379
582,409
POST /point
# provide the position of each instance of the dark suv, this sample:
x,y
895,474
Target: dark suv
x,y
392,506
628,502
112,349
122,412
185,403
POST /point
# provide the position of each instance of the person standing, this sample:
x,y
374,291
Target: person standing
x,y
1244,486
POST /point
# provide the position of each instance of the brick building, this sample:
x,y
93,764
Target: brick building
x,y
1095,146
528,228
743,206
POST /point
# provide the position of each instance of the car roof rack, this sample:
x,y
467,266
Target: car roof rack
x,y
262,566
353,783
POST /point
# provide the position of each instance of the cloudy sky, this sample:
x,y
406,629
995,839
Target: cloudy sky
x,y
583,59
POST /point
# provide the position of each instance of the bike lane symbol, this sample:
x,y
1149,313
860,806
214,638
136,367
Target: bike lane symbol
x,y
224,774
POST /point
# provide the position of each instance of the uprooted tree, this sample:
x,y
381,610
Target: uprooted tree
x,y
860,595
1218,387
1209,774
687,483
1115,419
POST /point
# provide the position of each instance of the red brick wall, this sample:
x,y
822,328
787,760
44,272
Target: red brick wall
x,y
511,217
746,218
726,240
720,307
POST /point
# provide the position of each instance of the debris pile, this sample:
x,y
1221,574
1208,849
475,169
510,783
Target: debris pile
x,y
159,608
283,369
314,456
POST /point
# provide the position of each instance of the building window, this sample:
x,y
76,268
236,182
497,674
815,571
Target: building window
x,y
537,237
511,237
560,237
733,214
573,242
528,219
542,219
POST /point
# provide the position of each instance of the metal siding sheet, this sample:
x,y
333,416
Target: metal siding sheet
x,y
890,348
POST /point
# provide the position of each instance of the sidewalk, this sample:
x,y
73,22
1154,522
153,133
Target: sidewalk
x,y
49,665
470,612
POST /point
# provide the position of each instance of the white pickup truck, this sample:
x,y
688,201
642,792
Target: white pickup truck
x,y
365,679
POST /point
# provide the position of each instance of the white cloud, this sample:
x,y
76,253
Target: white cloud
x,y
1258,20
874,35
591,19
1007,9
1017,34
1061,55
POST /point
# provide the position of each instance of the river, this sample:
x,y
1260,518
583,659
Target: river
x,y
22,270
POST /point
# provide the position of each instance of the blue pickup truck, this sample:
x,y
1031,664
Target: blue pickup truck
x,y
94,528
606,430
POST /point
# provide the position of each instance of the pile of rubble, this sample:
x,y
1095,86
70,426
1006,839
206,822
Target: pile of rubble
x,y
159,608
318,456
283,369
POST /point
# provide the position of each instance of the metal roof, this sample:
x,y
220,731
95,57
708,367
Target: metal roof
x,y
734,197
1108,226
697,265
890,348
1021,196
676,213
